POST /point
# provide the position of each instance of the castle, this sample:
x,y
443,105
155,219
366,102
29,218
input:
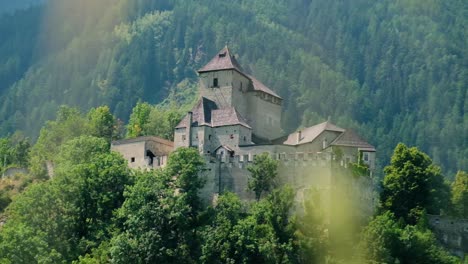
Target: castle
x,y
236,118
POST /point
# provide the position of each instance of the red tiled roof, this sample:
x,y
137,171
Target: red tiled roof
x,y
222,61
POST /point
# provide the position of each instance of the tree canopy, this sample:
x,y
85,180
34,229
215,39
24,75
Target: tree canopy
x,y
263,172
413,184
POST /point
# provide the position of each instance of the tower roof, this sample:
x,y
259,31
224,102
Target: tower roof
x,y
222,61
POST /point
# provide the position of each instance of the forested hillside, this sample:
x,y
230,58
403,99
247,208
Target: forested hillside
x,y
8,6
393,70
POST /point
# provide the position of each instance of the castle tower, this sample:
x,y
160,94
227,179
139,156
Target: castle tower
x,y
224,81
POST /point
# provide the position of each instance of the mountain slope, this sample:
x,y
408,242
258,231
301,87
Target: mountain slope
x,y
395,71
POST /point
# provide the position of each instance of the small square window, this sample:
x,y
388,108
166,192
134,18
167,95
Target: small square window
x,y
132,159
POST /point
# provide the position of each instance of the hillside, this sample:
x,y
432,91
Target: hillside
x,y
393,70
8,6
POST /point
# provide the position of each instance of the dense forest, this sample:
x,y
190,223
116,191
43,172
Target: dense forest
x,y
393,70
7,6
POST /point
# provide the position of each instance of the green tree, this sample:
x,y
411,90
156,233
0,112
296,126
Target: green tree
x,y
380,239
312,231
72,213
159,214
385,240
266,235
69,124
218,245
460,195
138,120
413,184
162,121
102,123
263,172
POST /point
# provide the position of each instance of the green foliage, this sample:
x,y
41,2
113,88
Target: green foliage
x,y
218,245
159,120
412,184
138,119
263,172
159,213
162,122
14,151
71,124
386,241
70,214
312,230
102,123
265,234
380,239
460,195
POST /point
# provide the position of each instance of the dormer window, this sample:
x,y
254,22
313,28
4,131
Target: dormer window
x,y
215,82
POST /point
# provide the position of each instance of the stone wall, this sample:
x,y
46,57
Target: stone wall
x,y
144,152
336,184
228,93
451,232
265,116
134,153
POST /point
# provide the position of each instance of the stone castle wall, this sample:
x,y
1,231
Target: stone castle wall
x,y
319,172
451,232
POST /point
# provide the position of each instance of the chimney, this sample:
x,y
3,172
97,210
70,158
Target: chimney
x,y
189,129
299,136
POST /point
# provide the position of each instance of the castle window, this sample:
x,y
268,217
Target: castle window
x,y
209,137
366,156
183,137
132,159
215,82
232,136
241,86
245,138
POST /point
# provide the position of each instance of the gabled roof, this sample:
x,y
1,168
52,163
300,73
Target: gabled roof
x,y
311,133
201,113
206,112
227,117
225,147
225,61
258,86
143,139
222,61
351,139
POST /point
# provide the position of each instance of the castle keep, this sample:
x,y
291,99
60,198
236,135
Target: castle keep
x,y
236,118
